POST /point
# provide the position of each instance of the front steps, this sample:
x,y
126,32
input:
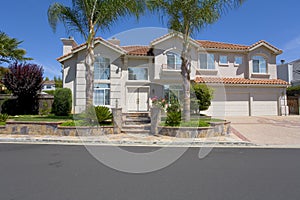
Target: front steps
x,y
136,123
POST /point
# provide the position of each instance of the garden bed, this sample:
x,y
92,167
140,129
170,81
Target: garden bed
x,y
52,129
218,128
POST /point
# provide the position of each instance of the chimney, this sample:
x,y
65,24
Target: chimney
x,y
115,41
68,45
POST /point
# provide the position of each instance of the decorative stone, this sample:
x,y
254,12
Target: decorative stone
x,y
117,120
155,119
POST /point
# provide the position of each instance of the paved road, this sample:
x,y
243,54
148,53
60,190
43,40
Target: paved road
x,y
49,172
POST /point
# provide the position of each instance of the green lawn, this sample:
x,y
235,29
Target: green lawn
x,y
39,118
195,122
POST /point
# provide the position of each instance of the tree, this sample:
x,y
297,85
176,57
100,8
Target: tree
x,y
9,49
58,82
87,17
188,17
25,81
201,96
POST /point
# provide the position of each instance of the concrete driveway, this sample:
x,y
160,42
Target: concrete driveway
x,y
268,130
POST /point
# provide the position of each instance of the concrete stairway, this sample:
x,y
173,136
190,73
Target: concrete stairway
x,y
136,123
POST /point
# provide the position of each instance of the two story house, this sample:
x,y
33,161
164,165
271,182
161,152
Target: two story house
x,y
244,78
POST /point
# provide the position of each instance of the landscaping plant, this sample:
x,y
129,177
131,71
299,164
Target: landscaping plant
x,y
98,115
201,97
3,117
173,114
24,80
62,104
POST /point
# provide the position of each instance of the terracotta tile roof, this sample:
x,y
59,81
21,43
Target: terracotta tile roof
x,y
136,50
144,50
199,79
221,45
263,41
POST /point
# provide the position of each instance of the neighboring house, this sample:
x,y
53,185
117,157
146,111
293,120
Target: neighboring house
x,y
290,72
244,78
48,85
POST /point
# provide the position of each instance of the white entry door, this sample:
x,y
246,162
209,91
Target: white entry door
x,y
138,99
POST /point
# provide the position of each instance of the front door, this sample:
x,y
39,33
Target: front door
x,y
138,99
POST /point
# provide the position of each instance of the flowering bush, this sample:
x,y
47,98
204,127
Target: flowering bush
x,y
159,102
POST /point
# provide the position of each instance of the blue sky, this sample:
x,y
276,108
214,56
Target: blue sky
x,y
277,22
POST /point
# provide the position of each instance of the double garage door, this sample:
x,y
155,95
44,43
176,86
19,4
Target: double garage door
x,y
240,104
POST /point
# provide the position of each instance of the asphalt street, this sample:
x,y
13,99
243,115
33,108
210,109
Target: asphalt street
x,y
53,172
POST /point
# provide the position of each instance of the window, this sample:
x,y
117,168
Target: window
x,y
135,73
259,65
173,61
173,92
238,60
102,68
101,94
207,61
223,60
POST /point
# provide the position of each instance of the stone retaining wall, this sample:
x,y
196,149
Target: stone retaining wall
x,y
215,129
52,129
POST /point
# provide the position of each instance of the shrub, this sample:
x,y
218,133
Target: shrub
x,y
50,92
201,96
62,104
3,117
9,106
173,114
98,114
294,90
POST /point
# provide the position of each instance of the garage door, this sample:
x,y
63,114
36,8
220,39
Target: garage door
x,y
236,104
264,104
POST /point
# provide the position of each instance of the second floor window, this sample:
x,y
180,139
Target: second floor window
x,y
259,65
207,61
238,60
137,73
223,60
173,61
101,68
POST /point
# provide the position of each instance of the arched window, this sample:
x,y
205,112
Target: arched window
x,y
259,64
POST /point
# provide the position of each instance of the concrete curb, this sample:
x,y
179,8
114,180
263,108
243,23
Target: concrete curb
x,y
62,141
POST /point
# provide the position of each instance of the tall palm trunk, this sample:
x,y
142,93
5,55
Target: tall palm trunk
x,y
185,73
89,66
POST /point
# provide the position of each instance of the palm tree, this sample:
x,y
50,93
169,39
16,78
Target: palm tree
x,y
87,17
188,17
9,49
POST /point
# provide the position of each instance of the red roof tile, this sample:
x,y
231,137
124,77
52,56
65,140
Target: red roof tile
x,y
240,81
136,50
221,45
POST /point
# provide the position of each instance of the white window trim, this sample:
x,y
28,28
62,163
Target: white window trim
x,y
267,66
207,69
104,89
175,55
223,64
237,64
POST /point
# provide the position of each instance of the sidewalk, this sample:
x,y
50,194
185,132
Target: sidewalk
x,y
128,140
268,130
